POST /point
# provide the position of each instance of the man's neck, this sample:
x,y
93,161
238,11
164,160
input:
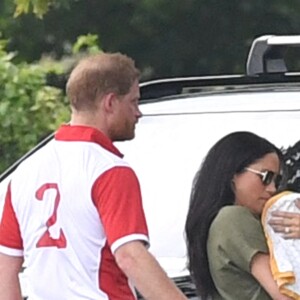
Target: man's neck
x,y
89,120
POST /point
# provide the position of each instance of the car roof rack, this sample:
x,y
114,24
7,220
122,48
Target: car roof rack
x,y
162,89
265,64
266,55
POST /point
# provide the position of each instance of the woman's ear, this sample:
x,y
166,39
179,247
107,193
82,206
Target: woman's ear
x,y
232,183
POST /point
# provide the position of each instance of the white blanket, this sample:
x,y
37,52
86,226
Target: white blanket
x,y
284,253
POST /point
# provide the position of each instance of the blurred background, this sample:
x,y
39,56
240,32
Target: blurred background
x,y
40,40
166,37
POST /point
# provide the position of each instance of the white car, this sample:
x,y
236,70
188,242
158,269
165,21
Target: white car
x,y
183,118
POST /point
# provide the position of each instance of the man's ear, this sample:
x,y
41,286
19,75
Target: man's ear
x,y
108,102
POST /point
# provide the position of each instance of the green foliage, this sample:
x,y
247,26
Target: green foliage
x,y
166,38
38,7
29,109
89,42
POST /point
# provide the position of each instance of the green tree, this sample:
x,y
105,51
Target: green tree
x,y
38,7
166,37
29,109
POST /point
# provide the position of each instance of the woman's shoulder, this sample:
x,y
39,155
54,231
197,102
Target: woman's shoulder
x,y
234,211
235,226
234,216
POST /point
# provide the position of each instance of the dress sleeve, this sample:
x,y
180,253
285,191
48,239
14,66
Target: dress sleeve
x,y
239,235
117,196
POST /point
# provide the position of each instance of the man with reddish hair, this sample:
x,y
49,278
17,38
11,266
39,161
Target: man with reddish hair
x,y
73,210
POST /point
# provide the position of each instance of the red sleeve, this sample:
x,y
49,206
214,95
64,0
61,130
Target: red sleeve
x,y
10,235
117,196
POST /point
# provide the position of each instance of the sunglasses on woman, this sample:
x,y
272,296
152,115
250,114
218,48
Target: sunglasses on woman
x,y
267,176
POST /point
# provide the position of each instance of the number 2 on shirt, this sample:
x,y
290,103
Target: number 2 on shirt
x,y
46,240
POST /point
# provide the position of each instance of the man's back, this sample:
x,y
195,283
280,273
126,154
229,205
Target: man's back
x,y
65,246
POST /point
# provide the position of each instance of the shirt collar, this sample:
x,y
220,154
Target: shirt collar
x,y
85,134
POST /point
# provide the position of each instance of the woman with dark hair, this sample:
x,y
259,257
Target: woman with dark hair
x,y
227,250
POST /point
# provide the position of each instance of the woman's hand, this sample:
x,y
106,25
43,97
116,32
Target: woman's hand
x,y
287,223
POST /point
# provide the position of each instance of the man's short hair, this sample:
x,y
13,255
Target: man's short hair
x,y
98,75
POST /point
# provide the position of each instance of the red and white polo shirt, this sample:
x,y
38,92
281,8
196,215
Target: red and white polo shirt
x,y
68,207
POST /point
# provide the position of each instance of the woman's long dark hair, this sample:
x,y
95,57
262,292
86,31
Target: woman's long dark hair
x,y
212,190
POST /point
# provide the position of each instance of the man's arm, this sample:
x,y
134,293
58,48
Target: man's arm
x,y
145,273
261,270
10,267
